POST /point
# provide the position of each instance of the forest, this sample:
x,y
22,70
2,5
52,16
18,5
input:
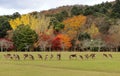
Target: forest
x,y
66,28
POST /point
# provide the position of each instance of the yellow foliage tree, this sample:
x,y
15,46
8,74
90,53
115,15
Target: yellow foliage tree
x,y
93,30
38,22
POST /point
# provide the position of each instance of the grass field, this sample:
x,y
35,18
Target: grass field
x,y
100,66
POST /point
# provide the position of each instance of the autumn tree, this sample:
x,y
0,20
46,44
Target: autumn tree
x,y
37,22
73,25
61,41
6,45
93,30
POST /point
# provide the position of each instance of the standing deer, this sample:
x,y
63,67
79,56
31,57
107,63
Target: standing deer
x,y
46,57
86,55
16,56
59,56
51,56
72,56
25,56
8,56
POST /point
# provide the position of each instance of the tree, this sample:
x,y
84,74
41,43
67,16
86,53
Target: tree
x,y
6,44
76,11
84,36
37,22
24,37
4,26
61,41
16,15
73,25
88,11
94,44
93,30
116,10
45,41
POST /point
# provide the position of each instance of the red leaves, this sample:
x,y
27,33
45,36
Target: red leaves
x,y
6,43
61,41
56,43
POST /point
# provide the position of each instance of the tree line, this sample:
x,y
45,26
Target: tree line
x,y
87,28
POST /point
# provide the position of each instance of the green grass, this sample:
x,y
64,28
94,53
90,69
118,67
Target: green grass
x,y
99,66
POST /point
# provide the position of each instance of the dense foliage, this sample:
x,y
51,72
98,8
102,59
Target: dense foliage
x,y
78,27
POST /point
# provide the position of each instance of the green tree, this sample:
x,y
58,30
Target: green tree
x,y
24,37
76,11
116,10
84,36
4,26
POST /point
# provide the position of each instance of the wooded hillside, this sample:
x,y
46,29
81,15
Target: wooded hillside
x,y
67,28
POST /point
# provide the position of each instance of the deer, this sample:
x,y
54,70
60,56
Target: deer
x,y
105,55
46,57
81,57
51,56
86,55
110,55
40,56
72,56
92,55
59,56
31,57
8,56
16,56
25,56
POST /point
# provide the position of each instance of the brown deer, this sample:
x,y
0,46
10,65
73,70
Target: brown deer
x,y
8,56
105,55
31,57
81,57
25,56
46,57
51,56
16,56
86,55
110,55
40,56
92,55
72,56
59,56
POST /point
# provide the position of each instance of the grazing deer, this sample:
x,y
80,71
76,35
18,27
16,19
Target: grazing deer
x,y
105,55
92,55
40,56
31,57
16,56
110,55
8,56
51,56
25,56
46,57
86,55
72,56
59,56
81,57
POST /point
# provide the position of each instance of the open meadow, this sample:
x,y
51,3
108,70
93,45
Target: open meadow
x,y
98,66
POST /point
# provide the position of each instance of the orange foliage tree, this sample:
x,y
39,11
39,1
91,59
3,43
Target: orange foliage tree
x,y
64,40
73,25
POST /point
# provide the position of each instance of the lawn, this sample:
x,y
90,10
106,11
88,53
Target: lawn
x,y
99,66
